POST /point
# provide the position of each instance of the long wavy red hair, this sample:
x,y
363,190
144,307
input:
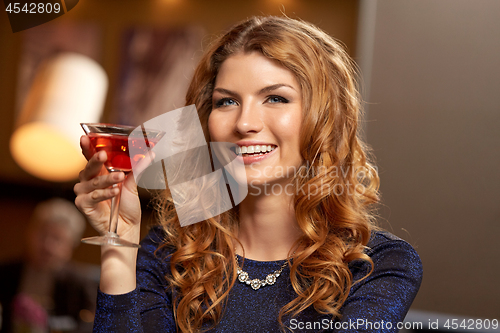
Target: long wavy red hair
x,y
336,220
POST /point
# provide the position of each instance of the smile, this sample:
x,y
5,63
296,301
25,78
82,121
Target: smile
x,y
254,153
254,150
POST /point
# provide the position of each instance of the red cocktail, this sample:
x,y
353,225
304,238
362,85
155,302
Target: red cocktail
x,y
125,146
118,149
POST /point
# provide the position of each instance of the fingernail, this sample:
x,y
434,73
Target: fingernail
x,y
101,156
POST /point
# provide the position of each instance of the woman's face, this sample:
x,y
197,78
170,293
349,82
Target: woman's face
x,y
257,105
50,245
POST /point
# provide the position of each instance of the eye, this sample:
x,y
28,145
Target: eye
x,y
277,99
225,102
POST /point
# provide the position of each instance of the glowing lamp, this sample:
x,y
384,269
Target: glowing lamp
x,y
67,90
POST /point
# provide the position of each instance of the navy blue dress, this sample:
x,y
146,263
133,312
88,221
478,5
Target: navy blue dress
x,y
377,304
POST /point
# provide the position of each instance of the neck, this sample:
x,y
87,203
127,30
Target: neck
x,y
268,228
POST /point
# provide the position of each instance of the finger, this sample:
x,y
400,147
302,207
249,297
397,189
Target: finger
x,y
94,167
86,148
137,171
143,164
99,182
88,201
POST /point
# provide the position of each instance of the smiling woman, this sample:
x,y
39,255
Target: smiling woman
x,y
284,93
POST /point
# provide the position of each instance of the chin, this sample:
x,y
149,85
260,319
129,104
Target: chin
x,y
271,187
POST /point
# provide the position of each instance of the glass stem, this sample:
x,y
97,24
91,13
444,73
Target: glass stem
x,y
115,206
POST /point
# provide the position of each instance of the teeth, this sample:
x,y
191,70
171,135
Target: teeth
x,y
254,149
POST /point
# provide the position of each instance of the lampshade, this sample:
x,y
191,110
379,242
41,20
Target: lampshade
x,y
67,90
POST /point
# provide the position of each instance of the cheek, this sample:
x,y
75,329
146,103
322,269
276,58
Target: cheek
x,y
289,127
291,123
217,126
212,126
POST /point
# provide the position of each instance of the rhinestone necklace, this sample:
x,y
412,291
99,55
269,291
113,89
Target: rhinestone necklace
x,y
256,283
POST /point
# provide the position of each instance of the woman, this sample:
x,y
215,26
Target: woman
x,y
301,252
44,290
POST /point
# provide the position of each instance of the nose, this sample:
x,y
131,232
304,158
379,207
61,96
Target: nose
x,y
249,120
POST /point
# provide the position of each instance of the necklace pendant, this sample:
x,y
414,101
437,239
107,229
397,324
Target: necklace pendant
x,y
255,284
271,279
242,276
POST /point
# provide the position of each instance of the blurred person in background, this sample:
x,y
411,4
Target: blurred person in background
x,y
44,291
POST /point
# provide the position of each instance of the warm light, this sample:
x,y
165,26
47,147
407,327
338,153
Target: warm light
x,y
68,90
43,151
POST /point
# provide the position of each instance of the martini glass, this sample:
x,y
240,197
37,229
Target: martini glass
x,y
119,141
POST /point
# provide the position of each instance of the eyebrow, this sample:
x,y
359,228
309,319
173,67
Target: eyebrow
x,y
274,87
262,91
226,92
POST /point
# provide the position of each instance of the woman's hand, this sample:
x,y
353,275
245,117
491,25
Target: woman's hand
x,y
96,188
92,198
